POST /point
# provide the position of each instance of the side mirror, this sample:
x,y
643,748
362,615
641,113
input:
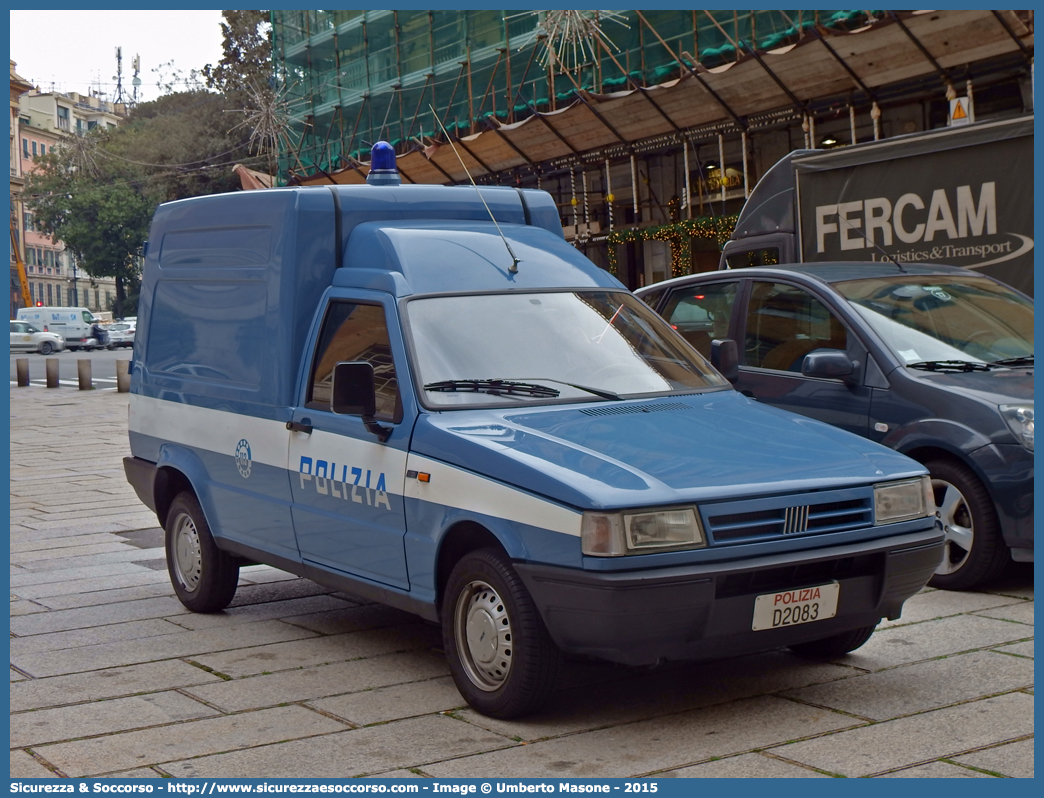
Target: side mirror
x,y
353,393
725,358
828,363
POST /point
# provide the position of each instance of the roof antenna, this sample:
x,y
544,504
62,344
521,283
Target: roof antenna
x,y
514,259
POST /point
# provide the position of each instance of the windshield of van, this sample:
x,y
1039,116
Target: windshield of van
x,y
498,349
945,318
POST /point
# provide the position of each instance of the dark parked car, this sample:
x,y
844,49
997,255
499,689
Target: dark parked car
x,y
934,361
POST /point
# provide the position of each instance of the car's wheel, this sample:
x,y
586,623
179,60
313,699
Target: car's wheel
x,y
500,655
834,646
46,348
974,553
204,577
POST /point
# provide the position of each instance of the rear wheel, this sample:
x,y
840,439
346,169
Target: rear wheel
x,y
204,577
834,646
500,655
974,553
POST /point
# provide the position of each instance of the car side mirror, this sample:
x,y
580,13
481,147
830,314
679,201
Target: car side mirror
x,y
829,364
725,358
354,393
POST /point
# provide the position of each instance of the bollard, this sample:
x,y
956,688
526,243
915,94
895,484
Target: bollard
x,y
52,372
122,376
22,368
83,372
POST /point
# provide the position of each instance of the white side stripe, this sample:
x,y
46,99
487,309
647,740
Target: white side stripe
x,y
455,487
213,430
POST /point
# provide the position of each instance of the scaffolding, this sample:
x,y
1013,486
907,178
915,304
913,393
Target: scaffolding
x,y
354,77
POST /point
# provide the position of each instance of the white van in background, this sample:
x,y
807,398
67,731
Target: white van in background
x,y
73,324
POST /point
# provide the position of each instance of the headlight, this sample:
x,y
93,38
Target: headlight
x,y
902,501
1020,422
617,534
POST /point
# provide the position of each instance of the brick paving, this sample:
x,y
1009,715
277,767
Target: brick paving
x,y
111,676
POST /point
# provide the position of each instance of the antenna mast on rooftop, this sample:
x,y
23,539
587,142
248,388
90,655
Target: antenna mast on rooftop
x,y
135,81
118,77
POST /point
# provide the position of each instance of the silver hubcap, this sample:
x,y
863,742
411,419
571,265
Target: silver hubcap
x,y
483,632
955,517
187,559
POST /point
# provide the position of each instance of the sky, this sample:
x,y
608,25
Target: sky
x,y
76,50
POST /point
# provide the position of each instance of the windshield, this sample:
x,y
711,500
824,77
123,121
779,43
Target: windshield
x,y
497,349
943,318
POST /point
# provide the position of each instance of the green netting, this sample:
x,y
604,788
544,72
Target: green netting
x,y
353,77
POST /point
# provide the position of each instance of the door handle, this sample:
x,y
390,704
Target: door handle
x,y
300,426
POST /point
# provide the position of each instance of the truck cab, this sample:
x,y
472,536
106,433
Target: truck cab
x,y
424,396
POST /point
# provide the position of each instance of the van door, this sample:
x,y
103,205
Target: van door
x,y
347,486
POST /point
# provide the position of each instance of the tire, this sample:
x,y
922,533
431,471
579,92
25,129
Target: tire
x,y
974,553
203,576
500,655
46,348
834,646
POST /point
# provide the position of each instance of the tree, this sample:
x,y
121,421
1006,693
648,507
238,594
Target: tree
x,y
99,211
97,192
247,59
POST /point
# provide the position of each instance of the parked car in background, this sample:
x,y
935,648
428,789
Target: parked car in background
x,y
933,361
26,338
121,334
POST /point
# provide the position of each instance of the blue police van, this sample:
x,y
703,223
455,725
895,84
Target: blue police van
x,y
422,395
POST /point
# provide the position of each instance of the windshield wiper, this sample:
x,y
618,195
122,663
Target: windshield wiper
x,y
596,391
1025,360
950,365
495,387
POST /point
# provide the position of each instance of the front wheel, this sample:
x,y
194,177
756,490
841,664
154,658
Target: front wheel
x,y
46,348
500,655
974,553
204,577
834,646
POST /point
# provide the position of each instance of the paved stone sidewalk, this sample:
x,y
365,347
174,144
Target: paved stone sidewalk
x,y
111,676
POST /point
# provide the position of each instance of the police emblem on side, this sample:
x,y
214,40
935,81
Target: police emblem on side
x,y
243,458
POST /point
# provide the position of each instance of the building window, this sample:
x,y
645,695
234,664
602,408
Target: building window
x,y
63,118
27,220
25,148
43,149
72,297
97,298
91,125
49,302
34,149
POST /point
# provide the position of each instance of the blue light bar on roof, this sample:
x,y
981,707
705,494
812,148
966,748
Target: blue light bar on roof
x,y
382,166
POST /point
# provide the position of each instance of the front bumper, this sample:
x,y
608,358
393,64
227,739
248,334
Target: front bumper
x,y
706,611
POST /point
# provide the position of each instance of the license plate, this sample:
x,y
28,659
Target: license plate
x,y
793,607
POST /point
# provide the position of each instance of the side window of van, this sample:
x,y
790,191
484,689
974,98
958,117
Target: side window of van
x,y
701,313
355,332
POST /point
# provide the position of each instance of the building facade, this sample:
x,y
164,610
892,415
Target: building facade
x,y
19,86
45,120
648,128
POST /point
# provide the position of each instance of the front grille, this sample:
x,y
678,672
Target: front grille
x,y
783,516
